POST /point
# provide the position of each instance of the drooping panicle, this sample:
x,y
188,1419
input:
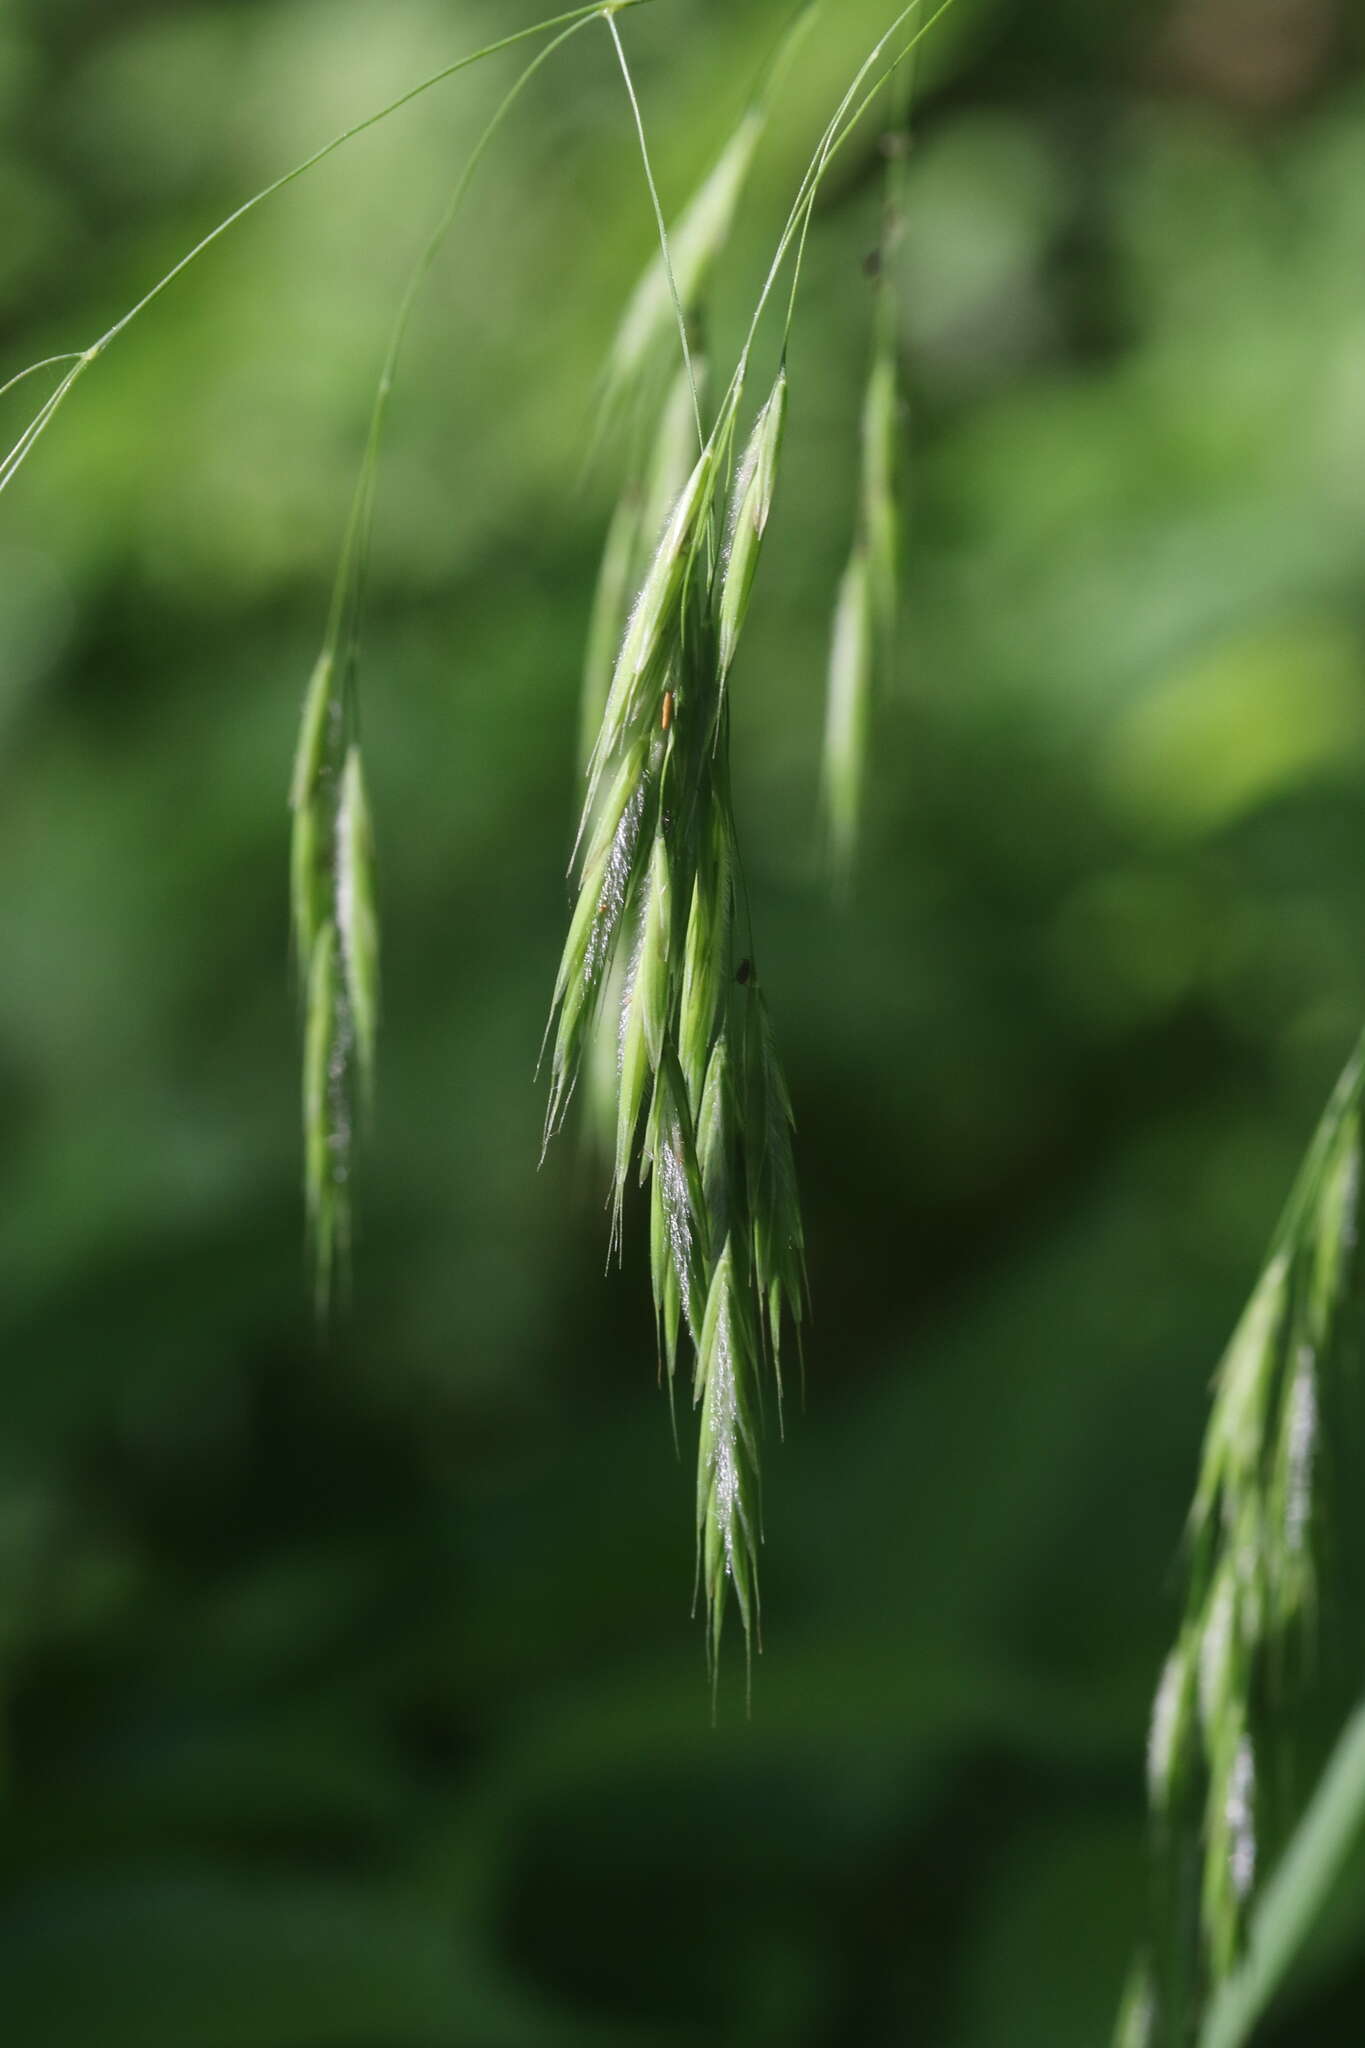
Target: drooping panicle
x,y
701,1112
1261,1535
650,996
335,922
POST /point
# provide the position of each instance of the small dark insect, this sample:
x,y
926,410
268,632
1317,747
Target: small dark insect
x,y
666,715
872,263
746,968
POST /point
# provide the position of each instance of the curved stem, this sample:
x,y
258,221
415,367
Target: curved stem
x,y
352,572
22,447
679,314
835,136
70,355
41,420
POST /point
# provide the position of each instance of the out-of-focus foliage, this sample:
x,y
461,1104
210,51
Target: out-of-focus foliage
x,y
350,1699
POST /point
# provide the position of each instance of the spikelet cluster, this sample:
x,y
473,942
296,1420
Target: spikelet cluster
x,y
1258,1528
336,949
702,1118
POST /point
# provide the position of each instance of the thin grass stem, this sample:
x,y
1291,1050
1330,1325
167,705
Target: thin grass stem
x,y
70,355
352,573
664,250
836,134
82,361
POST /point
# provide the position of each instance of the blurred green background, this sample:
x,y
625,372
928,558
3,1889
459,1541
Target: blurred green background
x,y
350,1697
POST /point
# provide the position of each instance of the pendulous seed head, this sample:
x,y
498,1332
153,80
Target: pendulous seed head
x,y
1260,1538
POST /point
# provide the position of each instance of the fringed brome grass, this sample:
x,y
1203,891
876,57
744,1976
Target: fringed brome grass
x,y
336,950
334,910
1223,1777
642,512
701,1112
694,1104
336,944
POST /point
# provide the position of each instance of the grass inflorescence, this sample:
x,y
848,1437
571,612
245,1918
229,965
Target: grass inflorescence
x,y
658,996
658,1009
702,1116
334,909
1224,1782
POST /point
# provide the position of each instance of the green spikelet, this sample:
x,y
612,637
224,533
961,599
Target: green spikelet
x,y
1259,1536
751,504
357,916
326,1117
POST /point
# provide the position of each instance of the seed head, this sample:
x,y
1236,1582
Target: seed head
x,y
1258,1541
